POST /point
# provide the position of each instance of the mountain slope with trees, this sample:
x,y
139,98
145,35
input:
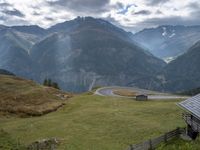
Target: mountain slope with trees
x,y
184,72
93,52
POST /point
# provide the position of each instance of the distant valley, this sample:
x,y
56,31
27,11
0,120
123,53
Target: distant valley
x,y
168,42
88,52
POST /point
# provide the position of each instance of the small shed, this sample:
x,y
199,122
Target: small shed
x,y
141,97
192,115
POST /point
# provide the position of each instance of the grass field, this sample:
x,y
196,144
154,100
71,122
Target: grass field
x,y
90,122
179,144
125,92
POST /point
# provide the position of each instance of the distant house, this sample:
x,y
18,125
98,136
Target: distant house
x,y
142,97
192,115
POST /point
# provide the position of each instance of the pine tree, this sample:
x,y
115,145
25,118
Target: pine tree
x,y
49,83
45,82
55,85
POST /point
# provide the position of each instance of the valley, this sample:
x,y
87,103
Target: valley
x,y
78,82
75,55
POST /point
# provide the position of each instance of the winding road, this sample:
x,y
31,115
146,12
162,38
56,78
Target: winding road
x,y
152,95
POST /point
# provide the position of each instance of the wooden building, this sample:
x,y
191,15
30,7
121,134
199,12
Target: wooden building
x,y
192,115
142,97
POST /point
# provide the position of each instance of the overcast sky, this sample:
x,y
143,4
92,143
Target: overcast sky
x,y
132,15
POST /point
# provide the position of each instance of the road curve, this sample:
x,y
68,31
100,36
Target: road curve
x,y
152,95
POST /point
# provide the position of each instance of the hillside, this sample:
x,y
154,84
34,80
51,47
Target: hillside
x,y
14,53
91,122
183,73
191,92
94,52
168,42
25,97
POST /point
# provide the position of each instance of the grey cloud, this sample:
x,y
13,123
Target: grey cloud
x,y
13,12
159,12
4,4
120,5
194,5
168,21
35,13
91,6
2,18
142,12
49,19
156,2
154,22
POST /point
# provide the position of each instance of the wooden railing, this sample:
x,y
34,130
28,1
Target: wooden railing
x,y
153,143
192,121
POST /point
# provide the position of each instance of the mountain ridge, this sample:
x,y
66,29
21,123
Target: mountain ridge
x,y
168,41
83,52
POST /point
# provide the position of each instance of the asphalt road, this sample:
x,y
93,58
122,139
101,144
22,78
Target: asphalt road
x,y
108,91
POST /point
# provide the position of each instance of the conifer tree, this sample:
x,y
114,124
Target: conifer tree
x,y
45,82
49,83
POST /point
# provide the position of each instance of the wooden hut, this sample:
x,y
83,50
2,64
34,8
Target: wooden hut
x,y
141,97
192,115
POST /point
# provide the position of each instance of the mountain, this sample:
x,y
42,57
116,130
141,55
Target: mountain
x,y
191,92
14,53
87,22
184,72
32,30
168,42
15,45
25,97
87,52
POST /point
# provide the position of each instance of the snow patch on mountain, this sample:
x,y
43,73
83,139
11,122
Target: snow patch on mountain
x,y
164,31
168,34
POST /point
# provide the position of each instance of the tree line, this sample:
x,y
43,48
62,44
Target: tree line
x,y
50,83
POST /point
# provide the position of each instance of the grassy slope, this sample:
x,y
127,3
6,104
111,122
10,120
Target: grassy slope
x,y
98,123
179,144
21,96
7,142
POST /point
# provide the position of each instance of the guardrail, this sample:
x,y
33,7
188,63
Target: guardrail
x,y
153,143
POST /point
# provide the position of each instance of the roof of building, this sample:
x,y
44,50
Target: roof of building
x,y
192,105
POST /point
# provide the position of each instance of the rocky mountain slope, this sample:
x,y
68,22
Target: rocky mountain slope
x,y
92,52
184,72
168,42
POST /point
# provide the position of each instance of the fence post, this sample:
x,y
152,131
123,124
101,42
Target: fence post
x,y
165,137
131,147
178,132
150,144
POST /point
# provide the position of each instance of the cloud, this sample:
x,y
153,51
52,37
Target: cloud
x,y
157,2
142,12
132,15
3,4
92,6
13,12
194,5
126,9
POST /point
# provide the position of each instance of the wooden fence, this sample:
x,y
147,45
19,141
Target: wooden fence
x,y
153,143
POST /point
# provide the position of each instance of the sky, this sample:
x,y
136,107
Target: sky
x,y
131,15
